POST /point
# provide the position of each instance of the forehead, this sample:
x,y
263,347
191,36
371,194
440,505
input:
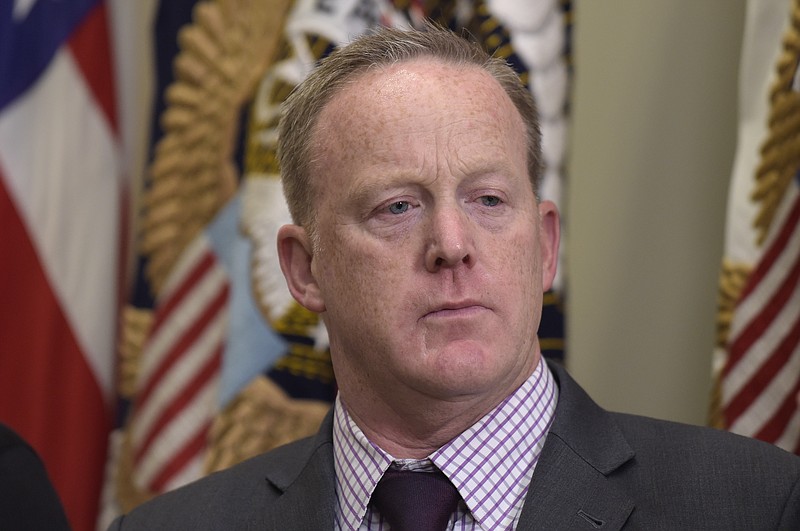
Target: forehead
x,y
418,97
418,81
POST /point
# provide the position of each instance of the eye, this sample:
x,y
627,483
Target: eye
x,y
398,207
490,200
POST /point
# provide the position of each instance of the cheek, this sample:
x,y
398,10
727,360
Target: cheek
x,y
521,256
361,279
522,275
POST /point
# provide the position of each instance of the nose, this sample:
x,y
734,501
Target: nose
x,y
450,240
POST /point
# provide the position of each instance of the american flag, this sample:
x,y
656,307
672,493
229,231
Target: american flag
x,y
759,362
181,362
761,378
61,230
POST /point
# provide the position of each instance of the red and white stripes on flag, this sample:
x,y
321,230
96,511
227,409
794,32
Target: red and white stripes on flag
x,y
761,377
758,362
60,236
181,362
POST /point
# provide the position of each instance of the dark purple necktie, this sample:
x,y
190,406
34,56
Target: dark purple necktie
x,y
415,501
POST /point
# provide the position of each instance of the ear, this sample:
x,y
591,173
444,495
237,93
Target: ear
x,y
296,254
549,236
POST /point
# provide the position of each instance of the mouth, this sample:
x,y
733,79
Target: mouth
x,y
456,309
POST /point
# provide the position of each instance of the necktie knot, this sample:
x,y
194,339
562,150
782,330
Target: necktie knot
x,y
415,501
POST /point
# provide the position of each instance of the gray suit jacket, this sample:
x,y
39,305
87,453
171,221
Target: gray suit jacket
x,y
28,500
598,470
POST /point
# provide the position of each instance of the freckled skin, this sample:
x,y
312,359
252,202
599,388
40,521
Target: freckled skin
x,y
432,252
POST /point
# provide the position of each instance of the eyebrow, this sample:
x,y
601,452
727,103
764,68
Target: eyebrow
x,y
370,188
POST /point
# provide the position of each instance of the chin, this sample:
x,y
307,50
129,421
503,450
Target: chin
x,y
471,373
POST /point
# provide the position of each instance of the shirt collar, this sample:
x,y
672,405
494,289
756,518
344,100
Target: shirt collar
x,y
491,463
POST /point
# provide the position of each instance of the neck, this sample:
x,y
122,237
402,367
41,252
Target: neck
x,y
414,426
404,437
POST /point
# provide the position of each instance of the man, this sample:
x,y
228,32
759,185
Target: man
x,y
410,165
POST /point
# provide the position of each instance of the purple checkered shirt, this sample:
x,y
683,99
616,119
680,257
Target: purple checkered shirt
x,y
491,463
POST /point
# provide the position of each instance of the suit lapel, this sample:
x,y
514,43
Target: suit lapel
x,y
308,487
570,487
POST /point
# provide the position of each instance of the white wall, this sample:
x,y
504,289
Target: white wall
x,y
652,146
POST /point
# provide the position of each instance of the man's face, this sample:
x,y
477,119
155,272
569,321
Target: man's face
x,y
431,253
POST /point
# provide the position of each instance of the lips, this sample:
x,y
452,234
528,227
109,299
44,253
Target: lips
x,y
456,309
